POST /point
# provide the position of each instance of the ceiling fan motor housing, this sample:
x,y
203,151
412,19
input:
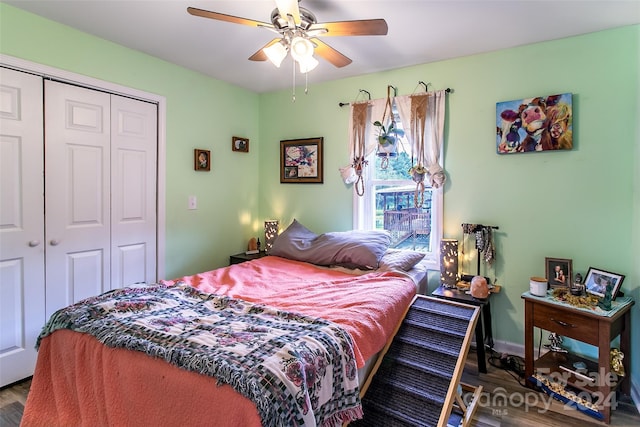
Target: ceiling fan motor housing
x,y
282,23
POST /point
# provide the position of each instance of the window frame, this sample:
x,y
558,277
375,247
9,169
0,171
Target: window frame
x,y
364,209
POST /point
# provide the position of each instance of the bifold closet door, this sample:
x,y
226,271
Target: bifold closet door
x,y
134,136
77,193
22,304
101,192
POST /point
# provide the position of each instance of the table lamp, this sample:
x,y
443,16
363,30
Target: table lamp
x,y
270,233
449,262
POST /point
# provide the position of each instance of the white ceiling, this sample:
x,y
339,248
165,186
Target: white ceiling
x,y
420,31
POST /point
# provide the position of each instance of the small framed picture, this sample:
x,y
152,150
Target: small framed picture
x,y
558,272
240,144
201,160
301,160
597,282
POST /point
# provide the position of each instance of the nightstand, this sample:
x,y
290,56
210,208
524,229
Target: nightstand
x,y
242,257
589,326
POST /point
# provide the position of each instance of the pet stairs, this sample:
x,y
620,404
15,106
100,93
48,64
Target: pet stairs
x,y
416,379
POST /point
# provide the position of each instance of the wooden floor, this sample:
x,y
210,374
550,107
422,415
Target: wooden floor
x,y
12,401
540,410
493,412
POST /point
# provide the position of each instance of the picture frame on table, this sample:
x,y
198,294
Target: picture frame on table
x,y
597,280
301,160
558,272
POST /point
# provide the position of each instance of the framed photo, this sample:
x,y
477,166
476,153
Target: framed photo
x,y
529,125
301,160
597,281
558,272
240,144
201,160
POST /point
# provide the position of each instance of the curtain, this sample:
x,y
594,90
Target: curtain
x,y
422,116
362,141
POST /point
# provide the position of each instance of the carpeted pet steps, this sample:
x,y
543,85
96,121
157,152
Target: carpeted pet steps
x,y
416,381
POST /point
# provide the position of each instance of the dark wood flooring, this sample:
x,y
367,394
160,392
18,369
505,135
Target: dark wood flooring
x,y
12,399
522,407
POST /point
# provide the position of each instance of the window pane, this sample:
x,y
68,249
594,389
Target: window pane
x,y
398,167
410,227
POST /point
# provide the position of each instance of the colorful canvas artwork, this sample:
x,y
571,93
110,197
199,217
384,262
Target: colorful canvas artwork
x,y
543,123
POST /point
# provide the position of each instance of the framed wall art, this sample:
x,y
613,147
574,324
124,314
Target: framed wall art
x,y
543,123
301,160
597,281
558,272
201,160
240,144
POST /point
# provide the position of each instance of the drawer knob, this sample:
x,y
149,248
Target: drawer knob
x,y
562,323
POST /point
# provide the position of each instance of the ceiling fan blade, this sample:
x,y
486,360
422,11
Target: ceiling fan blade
x,y
227,18
289,7
330,54
260,55
363,27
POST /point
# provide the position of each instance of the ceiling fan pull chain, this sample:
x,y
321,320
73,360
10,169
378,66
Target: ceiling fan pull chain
x,y
293,89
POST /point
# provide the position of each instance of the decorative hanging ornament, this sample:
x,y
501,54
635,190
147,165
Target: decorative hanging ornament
x,y
359,114
388,134
418,174
358,164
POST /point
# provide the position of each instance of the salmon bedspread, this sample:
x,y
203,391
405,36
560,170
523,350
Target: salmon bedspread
x,y
80,381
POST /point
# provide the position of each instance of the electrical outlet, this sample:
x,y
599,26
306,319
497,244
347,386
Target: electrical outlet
x,y
193,202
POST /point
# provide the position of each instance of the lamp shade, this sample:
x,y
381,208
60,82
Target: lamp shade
x,y
301,48
449,262
276,53
270,234
308,64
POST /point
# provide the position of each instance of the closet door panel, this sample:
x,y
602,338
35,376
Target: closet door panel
x,y
133,180
77,185
21,223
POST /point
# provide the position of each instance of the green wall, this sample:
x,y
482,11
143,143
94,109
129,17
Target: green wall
x,y
581,204
201,113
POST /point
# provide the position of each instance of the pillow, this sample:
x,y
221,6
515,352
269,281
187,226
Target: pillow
x,y
291,242
352,249
397,259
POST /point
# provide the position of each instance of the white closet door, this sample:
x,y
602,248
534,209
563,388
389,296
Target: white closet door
x,y
21,223
77,187
133,196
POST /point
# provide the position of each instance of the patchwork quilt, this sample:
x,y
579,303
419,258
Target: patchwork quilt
x,y
297,369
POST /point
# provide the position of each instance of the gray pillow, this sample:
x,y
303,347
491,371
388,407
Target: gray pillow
x,y
397,259
352,249
293,241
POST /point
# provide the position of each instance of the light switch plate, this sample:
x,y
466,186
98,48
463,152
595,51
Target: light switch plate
x,y
193,202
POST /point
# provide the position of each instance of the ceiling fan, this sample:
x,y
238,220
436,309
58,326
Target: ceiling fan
x,y
298,32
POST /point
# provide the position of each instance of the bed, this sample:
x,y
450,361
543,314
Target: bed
x,y
321,327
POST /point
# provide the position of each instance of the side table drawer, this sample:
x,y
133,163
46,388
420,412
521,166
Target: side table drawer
x,y
567,324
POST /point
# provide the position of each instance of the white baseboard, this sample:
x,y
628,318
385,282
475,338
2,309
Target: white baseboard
x,y
518,350
508,348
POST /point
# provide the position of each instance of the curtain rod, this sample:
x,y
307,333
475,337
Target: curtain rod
x,y
343,104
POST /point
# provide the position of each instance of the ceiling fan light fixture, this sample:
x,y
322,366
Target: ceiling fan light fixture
x,y
308,64
276,53
301,48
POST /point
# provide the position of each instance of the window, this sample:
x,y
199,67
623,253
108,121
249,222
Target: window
x,y
389,203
